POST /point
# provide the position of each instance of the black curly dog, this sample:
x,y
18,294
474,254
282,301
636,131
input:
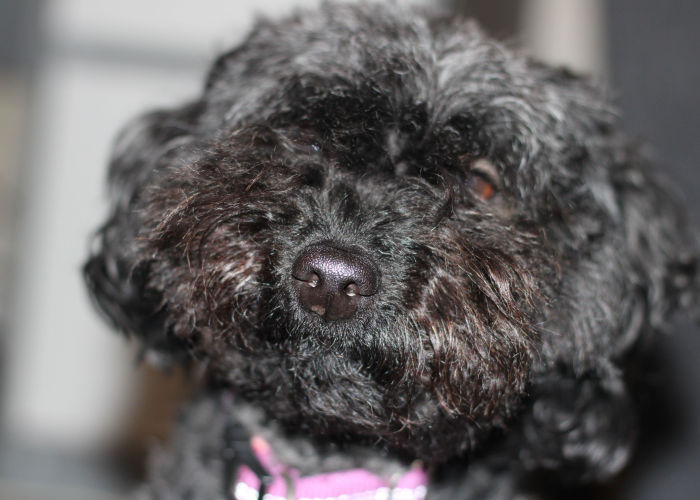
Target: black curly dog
x,y
389,240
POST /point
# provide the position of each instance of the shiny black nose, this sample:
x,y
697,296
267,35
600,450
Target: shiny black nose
x,y
334,282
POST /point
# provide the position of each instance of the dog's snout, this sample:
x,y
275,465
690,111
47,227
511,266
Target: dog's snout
x,y
334,282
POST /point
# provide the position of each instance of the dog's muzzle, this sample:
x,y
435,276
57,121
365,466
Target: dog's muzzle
x,y
333,281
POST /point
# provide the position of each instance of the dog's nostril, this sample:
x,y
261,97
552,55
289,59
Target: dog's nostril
x,y
334,282
351,290
313,280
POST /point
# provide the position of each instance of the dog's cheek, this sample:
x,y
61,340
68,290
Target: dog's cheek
x,y
478,366
478,312
208,260
209,305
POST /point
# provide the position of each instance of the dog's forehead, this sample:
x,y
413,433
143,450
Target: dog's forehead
x,y
389,60
347,69
401,59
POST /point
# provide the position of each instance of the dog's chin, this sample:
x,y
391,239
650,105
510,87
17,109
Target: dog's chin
x,y
334,384
420,429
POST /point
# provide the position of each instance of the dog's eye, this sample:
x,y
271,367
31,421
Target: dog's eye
x,y
481,187
484,181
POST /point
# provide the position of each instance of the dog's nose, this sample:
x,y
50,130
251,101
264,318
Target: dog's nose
x,y
334,282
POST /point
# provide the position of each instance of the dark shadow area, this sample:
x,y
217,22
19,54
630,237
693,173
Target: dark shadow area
x,y
654,49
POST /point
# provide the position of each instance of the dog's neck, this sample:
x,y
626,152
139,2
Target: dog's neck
x,y
279,481
272,461
311,456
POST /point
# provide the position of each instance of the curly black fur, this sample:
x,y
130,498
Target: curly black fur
x,y
511,298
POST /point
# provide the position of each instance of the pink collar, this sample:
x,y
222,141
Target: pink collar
x,y
353,484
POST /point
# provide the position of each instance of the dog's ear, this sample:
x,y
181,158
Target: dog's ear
x,y
662,248
117,272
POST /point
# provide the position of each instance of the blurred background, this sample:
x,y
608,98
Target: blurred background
x,y
76,409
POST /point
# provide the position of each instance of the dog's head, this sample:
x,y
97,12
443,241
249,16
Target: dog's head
x,y
379,226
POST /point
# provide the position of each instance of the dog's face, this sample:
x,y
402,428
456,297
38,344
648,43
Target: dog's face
x,y
377,226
